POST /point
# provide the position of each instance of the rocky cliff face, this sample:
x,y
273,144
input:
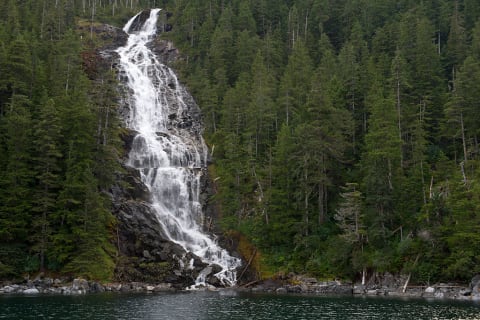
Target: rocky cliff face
x,y
144,253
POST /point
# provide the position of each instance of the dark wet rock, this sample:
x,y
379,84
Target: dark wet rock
x,y
96,287
166,51
109,36
294,289
475,285
211,277
145,253
50,286
303,285
386,281
127,137
97,61
393,285
465,292
358,289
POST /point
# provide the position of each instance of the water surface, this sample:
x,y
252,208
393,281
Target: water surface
x,y
214,305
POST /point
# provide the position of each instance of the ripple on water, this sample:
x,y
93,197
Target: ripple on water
x,y
213,306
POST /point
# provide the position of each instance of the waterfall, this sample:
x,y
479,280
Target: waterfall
x,y
168,150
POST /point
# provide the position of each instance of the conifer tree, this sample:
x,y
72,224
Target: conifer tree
x,y
47,167
261,112
16,179
381,159
295,84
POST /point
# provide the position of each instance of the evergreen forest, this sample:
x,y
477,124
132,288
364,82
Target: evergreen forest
x,y
344,134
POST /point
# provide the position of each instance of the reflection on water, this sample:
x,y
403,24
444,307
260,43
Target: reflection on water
x,y
214,305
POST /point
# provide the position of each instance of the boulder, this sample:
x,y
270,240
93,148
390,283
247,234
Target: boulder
x,y
465,292
310,280
96,287
475,280
281,290
359,289
31,291
372,292
209,274
430,290
80,285
163,287
294,289
9,289
475,285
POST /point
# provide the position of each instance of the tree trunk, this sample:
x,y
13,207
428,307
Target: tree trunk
x,y
43,21
390,184
91,22
364,275
399,115
306,195
105,130
410,274
353,117
464,142
306,26
321,212
423,183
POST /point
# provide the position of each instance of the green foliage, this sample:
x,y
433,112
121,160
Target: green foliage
x,y
299,99
12,260
92,263
51,195
345,91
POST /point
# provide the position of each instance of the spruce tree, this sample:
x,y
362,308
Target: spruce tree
x,y
47,133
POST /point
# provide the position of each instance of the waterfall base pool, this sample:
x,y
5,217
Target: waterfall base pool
x,y
218,305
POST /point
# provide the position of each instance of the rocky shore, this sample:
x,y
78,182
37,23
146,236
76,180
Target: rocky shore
x,y
384,285
79,286
294,285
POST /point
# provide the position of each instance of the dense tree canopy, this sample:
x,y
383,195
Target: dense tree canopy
x,y
345,133
360,150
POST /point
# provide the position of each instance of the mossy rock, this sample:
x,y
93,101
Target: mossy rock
x,y
155,271
129,269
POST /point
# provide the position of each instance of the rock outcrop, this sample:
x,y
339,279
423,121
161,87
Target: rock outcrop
x,y
301,284
145,254
79,286
387,284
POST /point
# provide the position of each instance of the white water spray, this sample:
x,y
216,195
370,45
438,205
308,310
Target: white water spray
x,y
170,158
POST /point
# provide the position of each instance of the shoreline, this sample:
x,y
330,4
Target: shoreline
x,y
308,287
440,291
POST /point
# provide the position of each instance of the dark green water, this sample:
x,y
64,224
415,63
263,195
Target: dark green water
x,y
212,305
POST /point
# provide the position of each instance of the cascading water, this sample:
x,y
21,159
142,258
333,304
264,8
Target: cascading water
x,y
170,158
